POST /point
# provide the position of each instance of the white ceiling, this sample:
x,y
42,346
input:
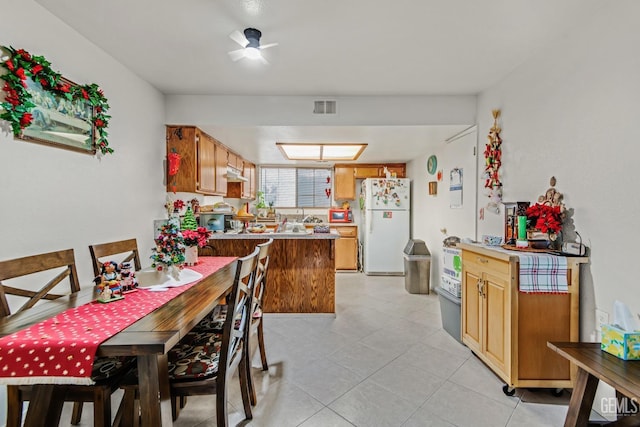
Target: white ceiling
x,y
326,48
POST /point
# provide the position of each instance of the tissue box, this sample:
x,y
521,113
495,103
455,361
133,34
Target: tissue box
x,y
620,343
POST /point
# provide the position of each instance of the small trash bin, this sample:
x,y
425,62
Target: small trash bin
x,y
450,311
417,267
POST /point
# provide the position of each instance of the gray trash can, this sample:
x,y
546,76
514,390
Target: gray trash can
x,y
450,311
417,267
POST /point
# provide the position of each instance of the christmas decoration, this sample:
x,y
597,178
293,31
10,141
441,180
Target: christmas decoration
x,y
493,161
174,165
17,106
189,221
169,250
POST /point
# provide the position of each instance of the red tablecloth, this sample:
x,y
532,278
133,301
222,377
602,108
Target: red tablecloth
x,y
61,350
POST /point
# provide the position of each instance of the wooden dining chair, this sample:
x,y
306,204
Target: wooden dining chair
x,y
60,265
129,248
205,360
256,328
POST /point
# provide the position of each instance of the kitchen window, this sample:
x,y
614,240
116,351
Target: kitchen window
x,y
296,187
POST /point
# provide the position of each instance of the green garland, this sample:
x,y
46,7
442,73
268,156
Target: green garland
x,y
17,106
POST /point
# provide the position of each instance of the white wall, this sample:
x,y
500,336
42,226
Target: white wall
x,y
55,199
431,213
52,199
571,111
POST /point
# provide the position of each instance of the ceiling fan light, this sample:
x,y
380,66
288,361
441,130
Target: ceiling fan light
x,y
252,53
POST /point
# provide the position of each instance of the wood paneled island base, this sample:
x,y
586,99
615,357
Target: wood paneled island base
x,y
301,276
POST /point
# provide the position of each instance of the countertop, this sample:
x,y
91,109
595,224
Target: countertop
x,y
268,235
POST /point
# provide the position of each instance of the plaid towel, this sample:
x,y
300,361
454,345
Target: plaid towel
x,y
543,274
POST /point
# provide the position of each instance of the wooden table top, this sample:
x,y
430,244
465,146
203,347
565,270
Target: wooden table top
x,y
623,375
155,333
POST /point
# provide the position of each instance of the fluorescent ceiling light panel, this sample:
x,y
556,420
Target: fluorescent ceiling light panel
x,y
337,151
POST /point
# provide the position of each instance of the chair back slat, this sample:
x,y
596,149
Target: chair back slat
x,y
261,275
235,332
26,266
103,250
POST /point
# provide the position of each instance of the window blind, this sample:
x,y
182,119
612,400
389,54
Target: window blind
x,y
296,187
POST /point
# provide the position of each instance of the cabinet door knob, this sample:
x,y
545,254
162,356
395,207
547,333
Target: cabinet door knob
x,y
483,260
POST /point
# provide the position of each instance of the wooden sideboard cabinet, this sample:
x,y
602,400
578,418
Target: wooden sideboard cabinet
x,y
508,329
346,247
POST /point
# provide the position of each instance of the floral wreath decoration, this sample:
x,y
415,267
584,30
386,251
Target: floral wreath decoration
x,y
18,105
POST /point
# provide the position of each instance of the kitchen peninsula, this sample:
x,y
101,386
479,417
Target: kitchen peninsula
x,y
301,276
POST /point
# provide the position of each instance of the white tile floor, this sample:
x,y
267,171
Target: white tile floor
x,y
383,360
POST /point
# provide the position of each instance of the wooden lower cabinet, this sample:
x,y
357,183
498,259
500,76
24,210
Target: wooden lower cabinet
x,y
507,329
347,247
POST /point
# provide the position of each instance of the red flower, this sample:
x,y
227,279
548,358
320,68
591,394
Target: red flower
x,y
64,88
547,219
85,95
25,120
99,123
178,204
20,73
35,70
24,54
98,109
10,65
44,83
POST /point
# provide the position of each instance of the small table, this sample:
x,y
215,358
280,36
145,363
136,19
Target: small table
x,y
596,365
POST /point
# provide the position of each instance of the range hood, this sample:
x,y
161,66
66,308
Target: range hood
x,y
234,175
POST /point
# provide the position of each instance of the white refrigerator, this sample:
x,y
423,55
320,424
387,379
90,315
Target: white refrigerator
x,y
385,234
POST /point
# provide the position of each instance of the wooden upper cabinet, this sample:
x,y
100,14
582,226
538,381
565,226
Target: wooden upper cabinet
x,y
221,168
367,171
249,187
206,163
197,172
234,160
345,176
376,170
400,169
244,190
344,183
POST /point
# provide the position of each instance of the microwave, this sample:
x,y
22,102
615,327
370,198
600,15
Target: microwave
x,y
340,215
216,222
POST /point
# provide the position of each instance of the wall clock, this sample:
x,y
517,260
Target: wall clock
x,y
432,164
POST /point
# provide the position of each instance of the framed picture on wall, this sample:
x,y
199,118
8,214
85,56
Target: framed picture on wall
x,y
60,121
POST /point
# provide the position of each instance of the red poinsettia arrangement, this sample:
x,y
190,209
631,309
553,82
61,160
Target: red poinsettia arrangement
x,y
17,106
195,237
545,218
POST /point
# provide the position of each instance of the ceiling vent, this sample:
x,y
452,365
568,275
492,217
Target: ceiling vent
x,y
324,107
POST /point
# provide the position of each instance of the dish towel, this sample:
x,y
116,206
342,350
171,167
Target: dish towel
x,y
543,274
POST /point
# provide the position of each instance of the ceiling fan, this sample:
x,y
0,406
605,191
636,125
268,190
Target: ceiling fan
x,y
250,42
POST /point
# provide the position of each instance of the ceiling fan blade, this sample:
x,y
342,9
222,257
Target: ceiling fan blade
x,y
239,38
265,46
236,54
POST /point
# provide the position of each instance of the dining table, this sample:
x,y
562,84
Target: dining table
x,y
149,339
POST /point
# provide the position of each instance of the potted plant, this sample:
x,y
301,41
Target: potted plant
x,y
261,206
